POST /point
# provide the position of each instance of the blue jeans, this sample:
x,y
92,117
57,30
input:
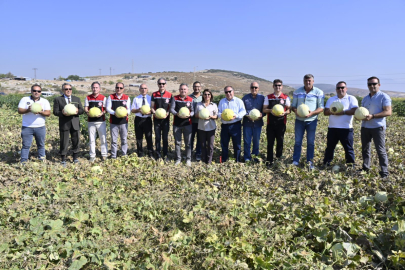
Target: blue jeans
x,y
300,128
229,131
194,134
26,134
248,133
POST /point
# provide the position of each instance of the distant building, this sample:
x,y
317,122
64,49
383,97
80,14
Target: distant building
x,y
145,76
22,78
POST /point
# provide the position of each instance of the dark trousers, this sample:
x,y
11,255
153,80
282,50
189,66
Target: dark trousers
x,y
233,131
64,141
195,133
345,136
275,133
207,139
162,132
143,126
378,136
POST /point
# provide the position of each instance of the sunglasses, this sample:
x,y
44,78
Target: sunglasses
x,y
370,84
207,94
342,87
66,89
278,85
36,91
227,92
119,87
253,87
161,83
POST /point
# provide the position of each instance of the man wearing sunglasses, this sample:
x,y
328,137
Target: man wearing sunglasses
x,y
252,129
33,124
118,126
68,124
373,127
231,129
340,124
197,97
161,99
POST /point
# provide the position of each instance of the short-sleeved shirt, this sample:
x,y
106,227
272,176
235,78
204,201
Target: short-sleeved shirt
x,y
272,100
161,100
313,99
99,102
342,121
250,104
374,104
236,105
30,119
137,104
195,101
207,124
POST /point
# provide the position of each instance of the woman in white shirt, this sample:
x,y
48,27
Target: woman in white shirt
x,y
207,126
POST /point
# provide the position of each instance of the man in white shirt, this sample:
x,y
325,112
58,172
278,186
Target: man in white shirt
x,y
142,122
33,124
340,124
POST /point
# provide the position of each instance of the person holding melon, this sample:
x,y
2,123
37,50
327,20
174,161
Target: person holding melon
x,y
94,107
182,108
207,113
340,109
34,110
307,103
118,106
68,108
141,106
277,106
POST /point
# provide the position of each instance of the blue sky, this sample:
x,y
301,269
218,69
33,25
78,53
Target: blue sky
x,y
334,40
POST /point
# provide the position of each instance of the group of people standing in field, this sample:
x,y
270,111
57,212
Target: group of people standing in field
x,y
193,128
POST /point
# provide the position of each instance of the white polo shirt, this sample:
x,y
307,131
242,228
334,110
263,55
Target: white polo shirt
x,y
33,120
137,104
342,121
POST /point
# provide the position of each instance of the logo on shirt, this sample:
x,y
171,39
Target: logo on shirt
x,y
282,101
28,103
167,100
99,104
124,103
188,104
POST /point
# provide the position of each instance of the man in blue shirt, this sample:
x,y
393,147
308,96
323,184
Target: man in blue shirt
x,y
313,97
251,128
232,128
374,125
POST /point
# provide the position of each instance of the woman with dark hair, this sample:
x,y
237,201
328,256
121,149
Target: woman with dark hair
x,y
207,125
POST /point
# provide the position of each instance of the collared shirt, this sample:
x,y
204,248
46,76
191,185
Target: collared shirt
x,y
207,124
99,102
250,104
313,99
236,105
137,104
176,104
127,102
30,119
67,99
195,101
342,121
374,104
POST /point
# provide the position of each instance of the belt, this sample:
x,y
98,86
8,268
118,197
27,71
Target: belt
x,y
233,123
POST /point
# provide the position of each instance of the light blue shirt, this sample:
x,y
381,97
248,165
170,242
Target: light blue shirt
x,y
314,100
375,105
236,105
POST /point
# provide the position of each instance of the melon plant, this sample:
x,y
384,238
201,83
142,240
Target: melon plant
x,y
70,109
145,109
160,113
121,112
204,113
361,113
94,112
336,107
227,115
184,112
303,110
36,108
254,114
278,110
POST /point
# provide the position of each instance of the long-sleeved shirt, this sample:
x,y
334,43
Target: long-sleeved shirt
x,y
236,105
313,99
250,104
113,102
177,102
137,104
195,101
207,124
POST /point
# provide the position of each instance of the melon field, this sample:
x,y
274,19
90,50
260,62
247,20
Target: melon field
x,y
138,213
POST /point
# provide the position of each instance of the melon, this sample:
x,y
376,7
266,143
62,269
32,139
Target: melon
x,y
70,109
145,109
227,115
336,107
303,110
361,113
254,114
278,110
36,108
184,112
336,168
204,113
160,113
121,112
94,112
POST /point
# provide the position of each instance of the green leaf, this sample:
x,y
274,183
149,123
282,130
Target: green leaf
x,y
78,264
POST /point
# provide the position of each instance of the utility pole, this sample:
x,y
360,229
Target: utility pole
x,y
100,71
110,71
132,66
35,73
